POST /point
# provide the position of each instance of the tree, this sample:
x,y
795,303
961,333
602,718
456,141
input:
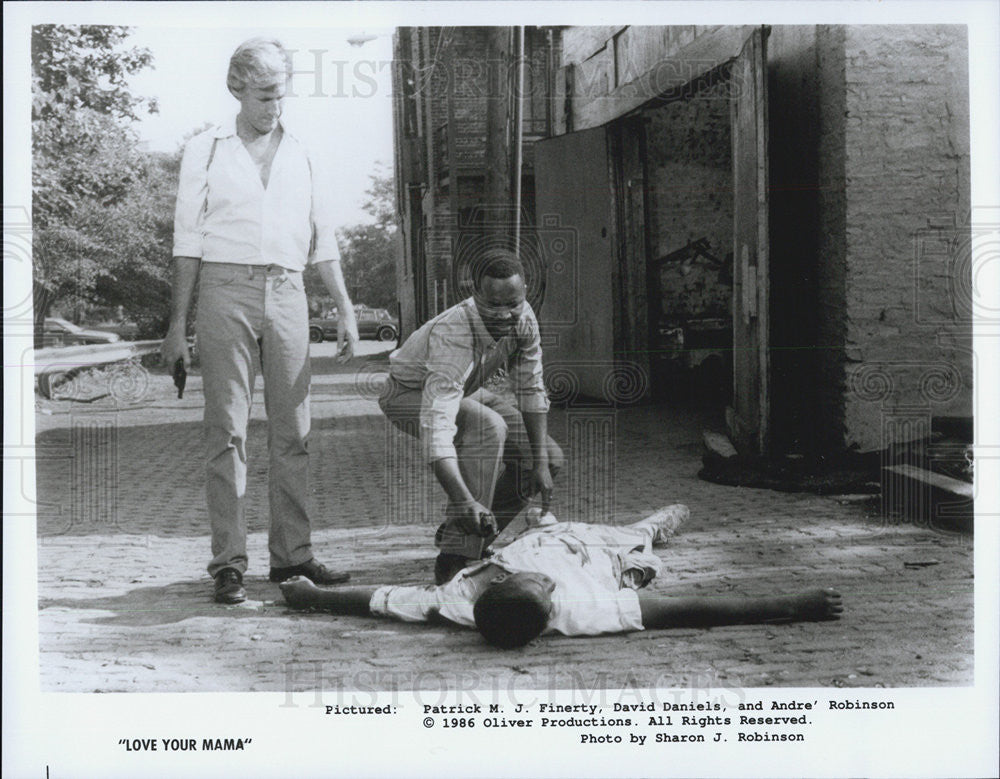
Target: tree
x,y
86,164
136,245
369,250
370,264
72,184
84,67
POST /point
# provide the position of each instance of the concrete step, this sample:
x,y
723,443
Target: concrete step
x,y
927,499
718,445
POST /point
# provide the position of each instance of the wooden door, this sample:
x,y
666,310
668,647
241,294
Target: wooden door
x,y
627,151
574,223
748,419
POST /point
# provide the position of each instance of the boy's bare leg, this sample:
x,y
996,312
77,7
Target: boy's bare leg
x,y
300,593
668,611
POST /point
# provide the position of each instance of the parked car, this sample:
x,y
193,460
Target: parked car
x,y
374,323
60,332
126,329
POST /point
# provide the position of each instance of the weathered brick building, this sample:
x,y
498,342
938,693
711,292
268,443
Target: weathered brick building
x,y
788,207
444,83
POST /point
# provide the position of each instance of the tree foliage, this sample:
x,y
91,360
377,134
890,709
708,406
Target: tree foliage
x,y
135,247
368,250
91,184
370,264
85,67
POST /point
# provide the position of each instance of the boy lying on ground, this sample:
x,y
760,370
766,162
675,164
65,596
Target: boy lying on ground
x,y
566,577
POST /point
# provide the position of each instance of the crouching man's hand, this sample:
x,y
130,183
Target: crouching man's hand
x,y
541,484
474,518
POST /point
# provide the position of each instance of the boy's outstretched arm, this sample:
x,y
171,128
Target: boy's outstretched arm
x,y
669,611
300,593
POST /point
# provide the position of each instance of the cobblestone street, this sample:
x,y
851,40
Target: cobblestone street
x,y
125,603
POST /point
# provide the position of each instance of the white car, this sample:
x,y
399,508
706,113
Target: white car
x,y
60,332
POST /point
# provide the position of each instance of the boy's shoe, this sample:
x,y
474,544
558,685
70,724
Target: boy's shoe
x,y
229,587
317,573
665,521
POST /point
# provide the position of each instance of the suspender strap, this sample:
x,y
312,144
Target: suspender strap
x,y
211,154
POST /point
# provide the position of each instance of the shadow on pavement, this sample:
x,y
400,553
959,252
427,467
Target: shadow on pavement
x,y
328,365
169,604
149,479
175,602
147,606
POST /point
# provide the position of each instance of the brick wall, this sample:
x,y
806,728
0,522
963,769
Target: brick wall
x,y
887,140
467,79
830,276
906,168
409,169
451,79
690,172
638,47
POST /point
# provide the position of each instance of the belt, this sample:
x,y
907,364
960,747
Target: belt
x,y
271,269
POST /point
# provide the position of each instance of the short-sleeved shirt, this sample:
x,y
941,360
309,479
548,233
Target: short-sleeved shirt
x,y
586,562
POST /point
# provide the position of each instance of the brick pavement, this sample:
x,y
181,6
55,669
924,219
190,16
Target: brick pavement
x,y
125,601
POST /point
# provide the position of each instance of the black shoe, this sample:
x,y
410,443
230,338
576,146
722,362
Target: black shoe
x,y
229,586
317,573
447,565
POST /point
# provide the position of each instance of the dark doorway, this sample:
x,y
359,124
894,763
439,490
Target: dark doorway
x,y
690,227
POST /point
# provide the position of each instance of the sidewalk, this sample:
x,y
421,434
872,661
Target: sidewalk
x,y
125,603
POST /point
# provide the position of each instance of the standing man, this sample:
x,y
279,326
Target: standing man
x,y
251,213
489,456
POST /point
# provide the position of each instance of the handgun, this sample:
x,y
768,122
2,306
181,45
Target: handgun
x,y
180,377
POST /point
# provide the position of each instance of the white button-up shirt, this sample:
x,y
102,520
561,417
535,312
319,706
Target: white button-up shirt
x,y
452,355
225,213
586,562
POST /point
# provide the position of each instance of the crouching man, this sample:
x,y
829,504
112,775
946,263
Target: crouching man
x,y
489,456
565,577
